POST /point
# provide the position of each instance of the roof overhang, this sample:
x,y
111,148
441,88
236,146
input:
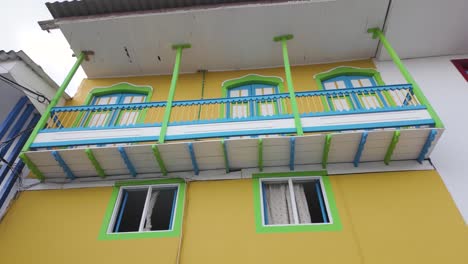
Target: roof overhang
x,y
225,37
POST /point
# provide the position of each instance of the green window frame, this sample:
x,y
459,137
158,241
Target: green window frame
x,y
119,88
178,210
350,71
333,223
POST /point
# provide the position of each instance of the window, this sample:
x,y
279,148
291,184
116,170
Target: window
x,y
462,67
249,109
296,201
365,100
293,201
114,117
145,209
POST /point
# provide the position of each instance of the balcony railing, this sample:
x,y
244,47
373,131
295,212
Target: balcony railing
x,y
277,106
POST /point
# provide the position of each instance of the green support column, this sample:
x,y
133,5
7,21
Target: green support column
x,y
170,97
287,69
377,33
42,122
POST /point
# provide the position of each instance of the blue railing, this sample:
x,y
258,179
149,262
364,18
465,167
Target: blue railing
x,y
277,106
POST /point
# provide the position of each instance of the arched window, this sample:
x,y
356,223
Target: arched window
x,y
122,93
348,78
253,85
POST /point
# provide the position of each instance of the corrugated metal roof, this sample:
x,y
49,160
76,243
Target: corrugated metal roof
x,y
101,7
20,55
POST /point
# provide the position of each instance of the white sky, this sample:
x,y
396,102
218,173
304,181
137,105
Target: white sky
x,y
51,51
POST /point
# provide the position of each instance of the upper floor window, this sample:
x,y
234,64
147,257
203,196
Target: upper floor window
x,y
462,67
253,85
348,78
122,93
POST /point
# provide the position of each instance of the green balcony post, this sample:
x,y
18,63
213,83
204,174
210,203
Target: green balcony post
x,y
170,97
287,69
42,122
377,33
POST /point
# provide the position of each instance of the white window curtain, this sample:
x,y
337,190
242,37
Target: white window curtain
x,y
149,212
279,204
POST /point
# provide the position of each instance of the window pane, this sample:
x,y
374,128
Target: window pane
x,y
130,211
277,202
309,201
160,209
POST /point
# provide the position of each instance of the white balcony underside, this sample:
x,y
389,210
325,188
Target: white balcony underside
x,y
241,153
239,128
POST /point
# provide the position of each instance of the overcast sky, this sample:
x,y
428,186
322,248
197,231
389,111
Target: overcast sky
x,y
51,51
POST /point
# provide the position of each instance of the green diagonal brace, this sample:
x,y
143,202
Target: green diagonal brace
x,y
170,97
287,69
226,160
159,159
95,163
326,150
45,116
32,166
377,33
391,147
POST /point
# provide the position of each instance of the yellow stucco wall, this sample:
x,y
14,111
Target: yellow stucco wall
x,y
398,217
189,86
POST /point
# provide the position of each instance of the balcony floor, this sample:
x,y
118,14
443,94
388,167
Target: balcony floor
x,y
240,153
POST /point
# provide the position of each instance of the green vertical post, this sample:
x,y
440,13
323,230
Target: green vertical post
x,y
42,122
287,69
377,33
170,97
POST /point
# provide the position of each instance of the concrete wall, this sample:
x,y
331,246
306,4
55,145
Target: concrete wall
x,y
447,91
398,217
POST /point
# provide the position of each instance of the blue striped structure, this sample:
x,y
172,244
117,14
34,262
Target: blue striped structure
x,y
292,152
362,143
127,161
427,145
64,165
193,158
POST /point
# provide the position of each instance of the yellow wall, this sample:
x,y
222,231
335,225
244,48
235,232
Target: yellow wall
x,y
189,85
399,217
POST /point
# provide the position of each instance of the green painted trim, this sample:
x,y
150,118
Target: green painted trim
x,y
377,33
287,69
45,116
283,37
159,159
117,88
177,224
334,215
326,150
391,147
226,161
32,167
95,163
346,71
170,97
250,79
260,154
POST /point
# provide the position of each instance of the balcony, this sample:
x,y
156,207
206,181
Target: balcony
x,y
382,123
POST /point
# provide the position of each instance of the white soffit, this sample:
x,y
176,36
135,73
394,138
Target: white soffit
x,y
425,28
226,38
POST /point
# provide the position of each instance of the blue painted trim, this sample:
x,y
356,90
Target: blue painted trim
x,y
10,118
382,99
396,124
127,161
10,182
226,157
14,153
54,130
173,207
122,208
16,129
94,142
193,158
87,108
318,190
64,165
430,138
362,143
265,209
366,111
231,120
292,150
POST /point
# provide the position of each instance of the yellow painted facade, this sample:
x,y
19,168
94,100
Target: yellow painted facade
x,y
397,217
